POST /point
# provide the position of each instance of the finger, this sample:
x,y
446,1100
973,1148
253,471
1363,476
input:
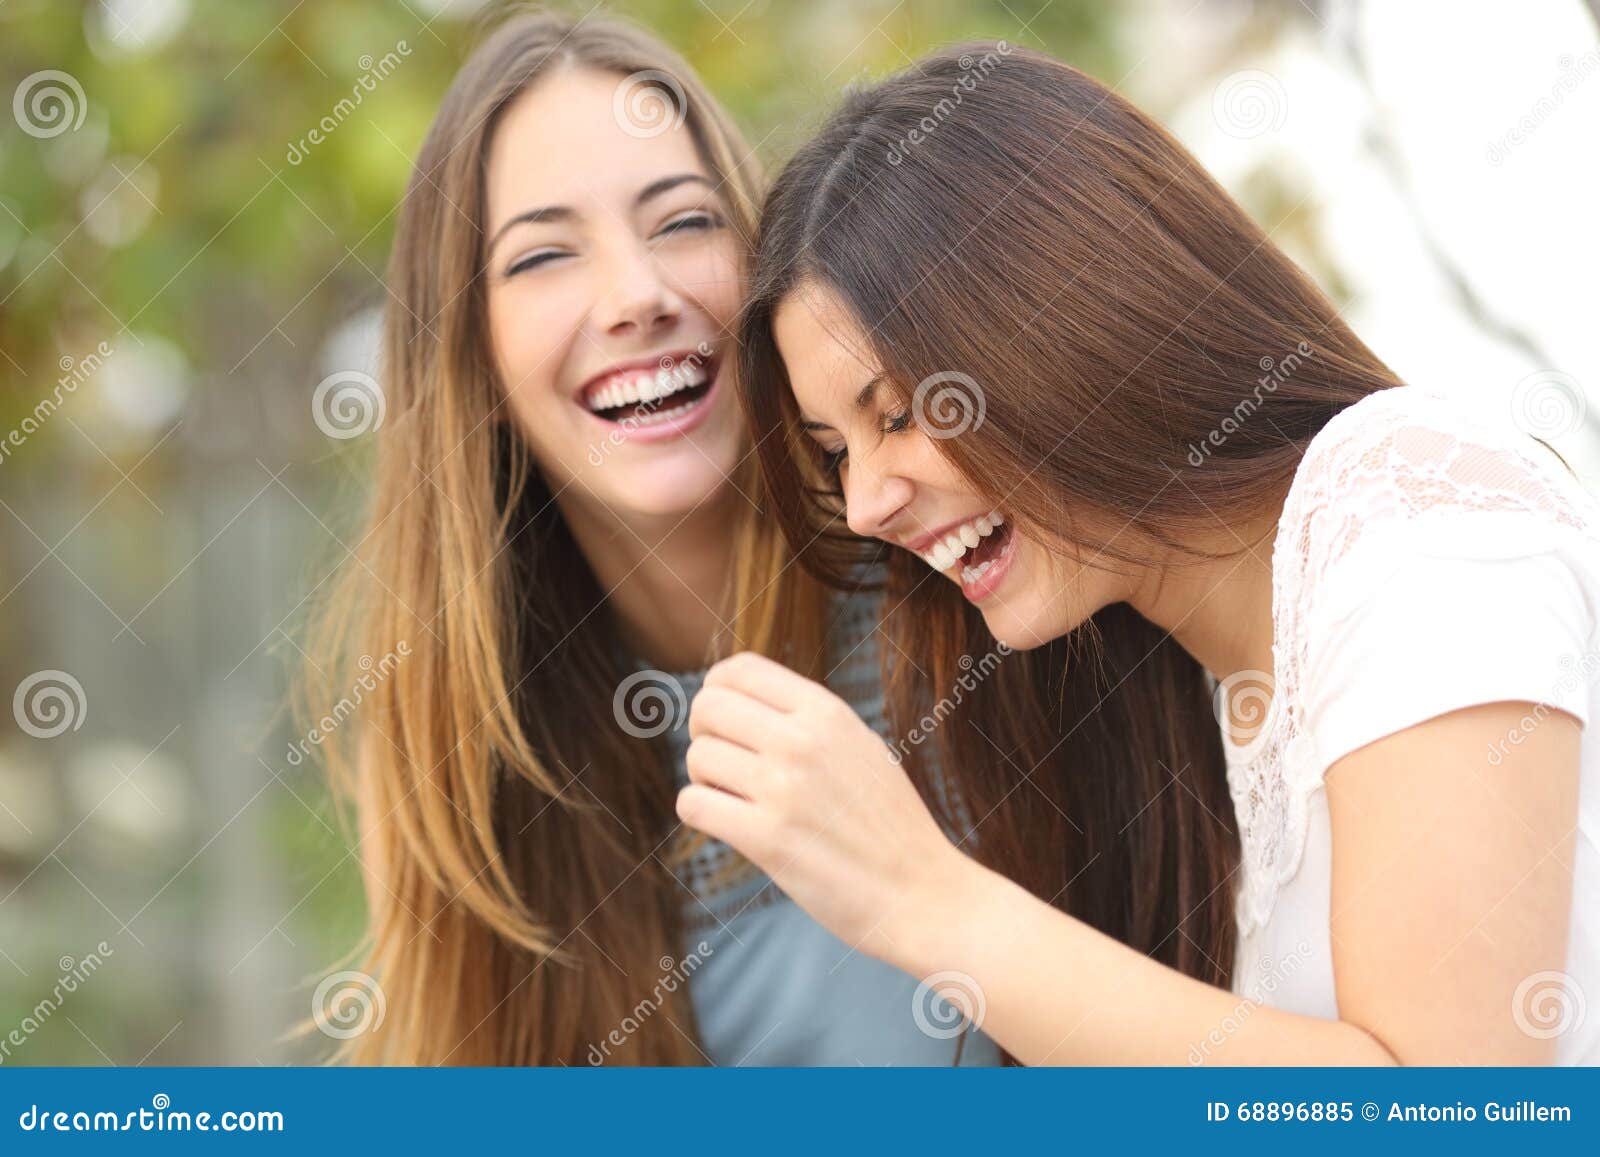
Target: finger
x,y
734,716
734,821
714,762
756,675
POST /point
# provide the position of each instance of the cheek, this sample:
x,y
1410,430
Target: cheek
x,y
710,276
530,354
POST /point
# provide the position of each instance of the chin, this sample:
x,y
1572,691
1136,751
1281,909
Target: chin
x,y
674,486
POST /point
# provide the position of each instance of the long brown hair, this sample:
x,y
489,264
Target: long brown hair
x,y
516,842
999,222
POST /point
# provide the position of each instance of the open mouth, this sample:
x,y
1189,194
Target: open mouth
x,y
976,546
639,399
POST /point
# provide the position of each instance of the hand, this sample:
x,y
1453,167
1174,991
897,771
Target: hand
x,y
785,771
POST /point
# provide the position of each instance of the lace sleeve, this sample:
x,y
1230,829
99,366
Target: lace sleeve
x,y
1436,564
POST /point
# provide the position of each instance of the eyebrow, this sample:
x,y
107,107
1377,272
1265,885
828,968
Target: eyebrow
x,y
862,400
549,213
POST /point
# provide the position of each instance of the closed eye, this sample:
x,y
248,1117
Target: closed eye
x,y
533,260
701,222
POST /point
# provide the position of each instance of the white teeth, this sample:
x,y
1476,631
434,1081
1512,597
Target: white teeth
x,y
645,386
972,574
948,551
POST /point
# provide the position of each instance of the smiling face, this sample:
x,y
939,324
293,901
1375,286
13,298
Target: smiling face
x,y
899,486
613,280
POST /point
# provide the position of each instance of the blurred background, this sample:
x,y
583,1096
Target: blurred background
x,y
182,264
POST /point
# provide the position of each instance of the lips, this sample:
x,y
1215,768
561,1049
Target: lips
x,y
662,396
979,550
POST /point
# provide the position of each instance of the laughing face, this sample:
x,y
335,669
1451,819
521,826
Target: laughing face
x,y
900,487
613,280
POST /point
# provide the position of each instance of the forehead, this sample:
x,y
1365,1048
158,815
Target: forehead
x,y
569,140
826,352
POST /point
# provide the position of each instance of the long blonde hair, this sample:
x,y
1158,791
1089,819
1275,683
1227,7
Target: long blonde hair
x,y
516,842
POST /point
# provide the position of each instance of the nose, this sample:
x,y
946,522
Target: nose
x,y
874,497
636,299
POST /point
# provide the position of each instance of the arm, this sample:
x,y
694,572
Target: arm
x,y
1441,909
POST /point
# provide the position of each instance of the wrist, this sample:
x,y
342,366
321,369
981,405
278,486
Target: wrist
x,y
939,912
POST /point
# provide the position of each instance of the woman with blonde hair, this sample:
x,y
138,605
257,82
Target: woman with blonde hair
x,y
565,525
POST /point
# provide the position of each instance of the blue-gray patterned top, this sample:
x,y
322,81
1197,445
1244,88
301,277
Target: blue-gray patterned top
x,y
770,985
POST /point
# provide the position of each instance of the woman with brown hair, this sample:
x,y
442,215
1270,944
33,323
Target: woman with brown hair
x,y
1012,333
563,529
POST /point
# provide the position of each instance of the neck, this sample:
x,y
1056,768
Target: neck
x,y
668,578
1219,609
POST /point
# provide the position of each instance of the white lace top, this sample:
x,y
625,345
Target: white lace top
x,y
1423,563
